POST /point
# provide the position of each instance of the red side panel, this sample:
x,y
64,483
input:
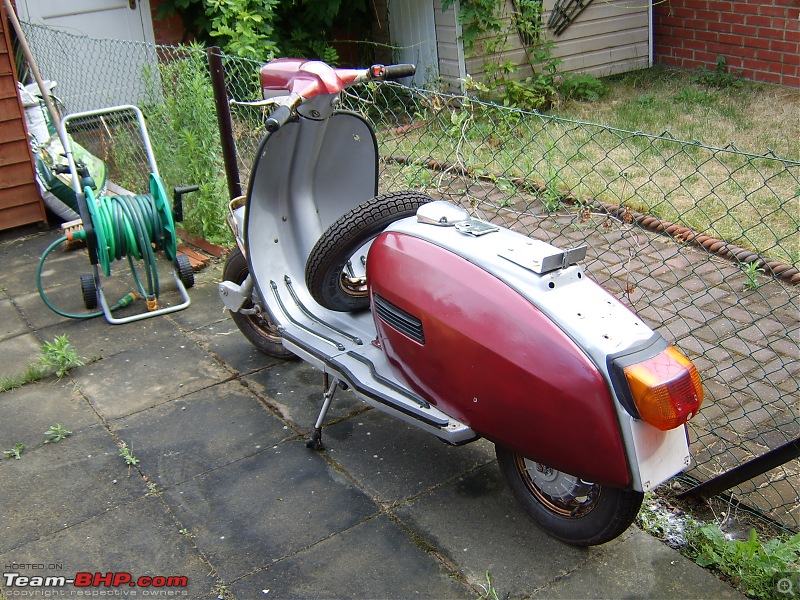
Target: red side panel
x,y
494,361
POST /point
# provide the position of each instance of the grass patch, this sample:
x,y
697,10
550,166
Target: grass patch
x,y
56,357
752,555
753,116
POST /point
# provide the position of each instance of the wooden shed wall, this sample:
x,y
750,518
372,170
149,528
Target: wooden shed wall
x,y
20,202
610,36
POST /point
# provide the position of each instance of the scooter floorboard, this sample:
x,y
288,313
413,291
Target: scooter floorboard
x,y
340,344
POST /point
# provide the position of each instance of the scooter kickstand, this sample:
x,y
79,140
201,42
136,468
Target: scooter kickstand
x,y
315,443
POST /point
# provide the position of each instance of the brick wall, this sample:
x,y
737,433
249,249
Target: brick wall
x,y
760,38
169,31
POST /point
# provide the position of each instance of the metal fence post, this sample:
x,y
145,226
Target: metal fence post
x,y
224,119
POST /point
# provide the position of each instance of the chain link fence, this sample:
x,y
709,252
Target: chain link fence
x,y
702,242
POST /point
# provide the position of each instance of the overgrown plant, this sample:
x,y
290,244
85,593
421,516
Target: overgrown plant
x,y
127,456
56,433
753,567
485,30
263,29
489,591
751,273
56,357
15,452
185,137
59,356
720,77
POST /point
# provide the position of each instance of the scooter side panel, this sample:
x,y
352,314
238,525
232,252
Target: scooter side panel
x,y
488,357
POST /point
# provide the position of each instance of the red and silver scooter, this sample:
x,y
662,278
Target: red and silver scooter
x,y
452,324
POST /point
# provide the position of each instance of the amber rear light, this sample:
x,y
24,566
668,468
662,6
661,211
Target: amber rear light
x,y
666,389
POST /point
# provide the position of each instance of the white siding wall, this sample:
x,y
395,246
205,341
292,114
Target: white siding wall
x,y
413,33
452,69
610,36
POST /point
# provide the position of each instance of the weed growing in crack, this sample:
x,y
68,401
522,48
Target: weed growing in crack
x,y
15,452
57,433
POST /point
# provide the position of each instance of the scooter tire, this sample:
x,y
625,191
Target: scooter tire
x,y
327,260
258,329
606,516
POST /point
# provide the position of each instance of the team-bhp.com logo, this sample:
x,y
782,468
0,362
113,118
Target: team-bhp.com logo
x,y
155,585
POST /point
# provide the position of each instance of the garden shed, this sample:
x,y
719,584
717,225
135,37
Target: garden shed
x,y
20,202
601,38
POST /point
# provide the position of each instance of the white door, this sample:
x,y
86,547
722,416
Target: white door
x,y
413,33
115,19
106,70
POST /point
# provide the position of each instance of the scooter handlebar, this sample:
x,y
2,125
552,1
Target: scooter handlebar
x,y
279,117
381,72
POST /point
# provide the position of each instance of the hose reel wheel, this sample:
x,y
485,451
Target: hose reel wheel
x,y
89,292
183,267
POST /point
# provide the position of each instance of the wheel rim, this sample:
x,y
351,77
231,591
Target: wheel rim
x,y
355,284
264,327
561,493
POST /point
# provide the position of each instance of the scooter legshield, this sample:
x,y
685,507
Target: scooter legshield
x,y
483,353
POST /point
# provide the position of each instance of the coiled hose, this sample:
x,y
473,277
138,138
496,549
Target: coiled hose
x,y
132,227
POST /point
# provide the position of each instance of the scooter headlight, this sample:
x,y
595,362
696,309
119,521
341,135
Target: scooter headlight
x,y
666,389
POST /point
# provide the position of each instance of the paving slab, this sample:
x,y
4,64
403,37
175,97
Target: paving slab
x,y
476,523
56,486
374,559
95,339
27,412
250,513
294,389
223,340
139,538
199,432
11,322
206,307
168,367
642,567
393,461
16,353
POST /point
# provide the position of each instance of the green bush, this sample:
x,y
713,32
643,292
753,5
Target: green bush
x,y
185,137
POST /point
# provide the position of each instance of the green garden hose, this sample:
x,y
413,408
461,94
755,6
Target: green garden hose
x,y
134,227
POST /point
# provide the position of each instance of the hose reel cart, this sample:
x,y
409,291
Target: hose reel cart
x,y
123,225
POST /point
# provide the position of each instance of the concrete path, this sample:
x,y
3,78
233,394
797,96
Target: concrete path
x,y
226,495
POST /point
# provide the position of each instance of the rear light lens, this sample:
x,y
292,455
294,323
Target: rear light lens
x,y
666,389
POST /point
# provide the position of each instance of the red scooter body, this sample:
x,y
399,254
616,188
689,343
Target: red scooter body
x,y
481,352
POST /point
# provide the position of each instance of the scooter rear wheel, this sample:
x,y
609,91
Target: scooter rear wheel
x,y
570,509
258,329
327,276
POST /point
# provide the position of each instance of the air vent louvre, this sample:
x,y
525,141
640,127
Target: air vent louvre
x,y
398,319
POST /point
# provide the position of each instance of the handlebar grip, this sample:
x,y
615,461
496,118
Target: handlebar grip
x,y
400,71
279,117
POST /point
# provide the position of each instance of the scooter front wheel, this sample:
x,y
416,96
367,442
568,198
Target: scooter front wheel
x,y
570,509
342,248
258,329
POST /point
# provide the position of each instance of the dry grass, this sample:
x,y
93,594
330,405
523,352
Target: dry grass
x,y
754,117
